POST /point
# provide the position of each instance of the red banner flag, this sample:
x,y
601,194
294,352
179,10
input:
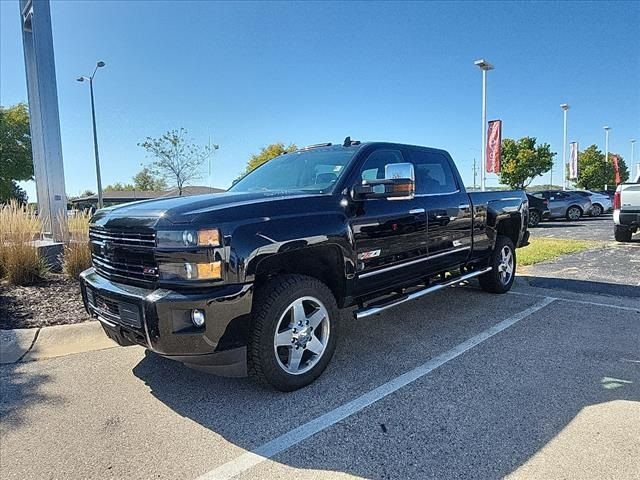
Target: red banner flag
x,y
494,146
616,168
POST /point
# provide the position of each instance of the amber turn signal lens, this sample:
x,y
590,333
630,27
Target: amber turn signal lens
x,y
403,187
209,271
209,238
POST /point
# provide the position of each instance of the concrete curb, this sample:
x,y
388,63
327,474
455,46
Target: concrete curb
x,y
32,344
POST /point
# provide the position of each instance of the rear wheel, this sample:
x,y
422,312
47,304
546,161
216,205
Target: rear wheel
x,y
534,218
622,234
294,331
574,213
503,263
596,210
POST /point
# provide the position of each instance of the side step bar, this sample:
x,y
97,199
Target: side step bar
x,y
367,312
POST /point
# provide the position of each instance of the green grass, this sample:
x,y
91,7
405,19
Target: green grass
x,y
542,249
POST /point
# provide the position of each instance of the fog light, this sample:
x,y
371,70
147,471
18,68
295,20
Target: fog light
x,y
197,317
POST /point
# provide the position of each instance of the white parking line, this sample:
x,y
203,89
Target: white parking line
x,y
584,302
250,459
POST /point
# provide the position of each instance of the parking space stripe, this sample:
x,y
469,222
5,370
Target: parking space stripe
x,y
250,459
584,302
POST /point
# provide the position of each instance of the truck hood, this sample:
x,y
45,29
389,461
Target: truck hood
x,y
178,210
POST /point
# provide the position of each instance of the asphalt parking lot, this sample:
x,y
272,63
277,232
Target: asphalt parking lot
x,y
611,268
587,228
538,383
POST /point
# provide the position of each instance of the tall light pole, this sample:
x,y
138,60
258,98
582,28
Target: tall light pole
x,y
633,144
565,108
485,67
95,133
606,147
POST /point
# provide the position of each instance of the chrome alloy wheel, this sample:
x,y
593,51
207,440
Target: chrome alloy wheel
x,y
302,335
505,267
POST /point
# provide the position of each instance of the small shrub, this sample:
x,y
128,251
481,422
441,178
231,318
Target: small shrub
x,y
77,256
19,259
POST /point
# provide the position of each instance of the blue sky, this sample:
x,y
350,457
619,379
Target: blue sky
x,y
249,74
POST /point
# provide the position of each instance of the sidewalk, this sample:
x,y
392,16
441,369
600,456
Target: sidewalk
x,y
31,344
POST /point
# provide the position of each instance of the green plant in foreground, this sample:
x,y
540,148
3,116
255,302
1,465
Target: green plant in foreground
x,y
76,256
19,259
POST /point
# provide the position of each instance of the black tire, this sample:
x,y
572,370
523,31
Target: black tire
x,y
534,218
494,281
596,210
271,303
573,213
622,234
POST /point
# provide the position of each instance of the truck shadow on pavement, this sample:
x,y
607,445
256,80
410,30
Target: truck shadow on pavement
x,y
584,286
483,415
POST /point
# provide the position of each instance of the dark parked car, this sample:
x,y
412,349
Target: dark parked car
x,y
251,280
565,204
538,210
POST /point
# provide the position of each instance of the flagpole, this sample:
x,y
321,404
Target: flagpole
x,y
564,107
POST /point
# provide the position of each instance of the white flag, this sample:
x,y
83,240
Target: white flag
x,y
573,161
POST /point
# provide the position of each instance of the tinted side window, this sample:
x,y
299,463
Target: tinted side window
x,y
433,173
373,168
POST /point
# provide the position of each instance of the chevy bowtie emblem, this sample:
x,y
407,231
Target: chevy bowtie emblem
x,y
106,249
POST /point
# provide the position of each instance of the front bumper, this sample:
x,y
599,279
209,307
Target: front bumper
x,y
160,320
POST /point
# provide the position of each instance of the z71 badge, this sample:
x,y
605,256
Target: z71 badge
x,y
367,255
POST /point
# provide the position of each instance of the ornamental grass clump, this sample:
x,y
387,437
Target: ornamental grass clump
x,y
20,263
77,256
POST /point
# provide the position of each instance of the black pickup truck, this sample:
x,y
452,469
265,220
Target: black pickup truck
x,y
252,280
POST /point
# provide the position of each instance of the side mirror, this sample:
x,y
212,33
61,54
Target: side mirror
x,y
398,184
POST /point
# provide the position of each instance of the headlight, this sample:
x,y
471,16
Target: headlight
x,y
190,271
188,238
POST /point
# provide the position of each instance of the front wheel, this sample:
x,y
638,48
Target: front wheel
x,y
574,213
293,333
534,218
503,263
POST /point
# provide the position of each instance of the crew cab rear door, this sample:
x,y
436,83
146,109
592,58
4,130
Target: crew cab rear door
x,y
448,207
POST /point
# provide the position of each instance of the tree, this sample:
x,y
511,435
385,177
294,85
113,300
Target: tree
x,y
145,179
16,161
119,187
176,157
594,172
522,161
267,153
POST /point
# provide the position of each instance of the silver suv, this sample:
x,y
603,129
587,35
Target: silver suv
x,y
601,202
566,204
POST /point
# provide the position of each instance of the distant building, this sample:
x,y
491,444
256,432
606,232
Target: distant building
x,y
116,197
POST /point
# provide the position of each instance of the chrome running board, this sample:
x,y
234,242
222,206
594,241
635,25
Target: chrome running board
x,y
367,312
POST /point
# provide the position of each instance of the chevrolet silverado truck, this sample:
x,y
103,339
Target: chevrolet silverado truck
x,y
251,281
626,210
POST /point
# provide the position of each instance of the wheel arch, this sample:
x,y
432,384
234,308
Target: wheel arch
x,y
325,263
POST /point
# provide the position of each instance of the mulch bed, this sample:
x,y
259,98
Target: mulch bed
x,y
56,300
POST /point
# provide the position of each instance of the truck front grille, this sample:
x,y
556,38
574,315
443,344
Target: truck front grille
x,y
124,256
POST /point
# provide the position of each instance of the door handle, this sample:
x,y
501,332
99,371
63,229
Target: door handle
x,y
464,206
416,211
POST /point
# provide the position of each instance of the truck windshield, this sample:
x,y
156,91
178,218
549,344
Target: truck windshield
x,y
314,171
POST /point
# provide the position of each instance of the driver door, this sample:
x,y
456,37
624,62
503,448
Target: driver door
x,y
390,233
